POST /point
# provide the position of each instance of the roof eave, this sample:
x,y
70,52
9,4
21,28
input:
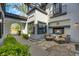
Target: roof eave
x,y
37,9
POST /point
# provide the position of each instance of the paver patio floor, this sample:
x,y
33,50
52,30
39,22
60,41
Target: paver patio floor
x,y
34,49
47,48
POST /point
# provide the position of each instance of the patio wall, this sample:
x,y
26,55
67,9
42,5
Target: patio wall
x,y
9,21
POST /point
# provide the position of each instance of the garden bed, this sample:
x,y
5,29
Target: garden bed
x,y
11,47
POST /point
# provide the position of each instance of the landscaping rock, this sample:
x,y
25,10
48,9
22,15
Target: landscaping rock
x,y
47,44
61,50
55,49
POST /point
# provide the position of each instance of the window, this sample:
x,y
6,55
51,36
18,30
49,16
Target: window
x,y
56,8
31,28
43,6
1,24
64,6
59,9
41,28
30,8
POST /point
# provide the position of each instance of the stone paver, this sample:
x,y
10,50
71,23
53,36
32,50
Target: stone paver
x,y
47,44
60,50
48,48
34,49
37,51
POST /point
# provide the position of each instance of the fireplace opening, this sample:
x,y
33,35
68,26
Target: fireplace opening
x,y
58,30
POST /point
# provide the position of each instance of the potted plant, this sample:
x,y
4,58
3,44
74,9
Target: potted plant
x,y
25,36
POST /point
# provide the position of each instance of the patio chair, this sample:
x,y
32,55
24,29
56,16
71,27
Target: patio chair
x,y
48,37
60,39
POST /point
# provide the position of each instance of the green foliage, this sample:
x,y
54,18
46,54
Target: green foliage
x,y
25,36
31,28
23,8
13,48
16,26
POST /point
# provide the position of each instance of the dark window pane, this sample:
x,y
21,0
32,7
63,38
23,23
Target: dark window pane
x,y
64,6
56,8
0,31
59,9
41,28
1,25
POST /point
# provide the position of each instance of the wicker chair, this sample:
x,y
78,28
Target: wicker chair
x,y
48,37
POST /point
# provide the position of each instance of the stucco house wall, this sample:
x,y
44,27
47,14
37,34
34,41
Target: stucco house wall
x,y
31,17
41,17
63,20
36,16
74,19
72,15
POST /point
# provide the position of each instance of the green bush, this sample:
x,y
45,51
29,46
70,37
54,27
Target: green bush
x,y
25,36
13,48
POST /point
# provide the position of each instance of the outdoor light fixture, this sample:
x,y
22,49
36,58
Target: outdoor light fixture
x,y
76,25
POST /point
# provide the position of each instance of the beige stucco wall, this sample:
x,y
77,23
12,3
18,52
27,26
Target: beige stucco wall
x,y
61,23
75,19
41,17
31,17
67,30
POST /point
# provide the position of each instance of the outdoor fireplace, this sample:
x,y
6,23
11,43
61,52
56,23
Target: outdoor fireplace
x,y
58,30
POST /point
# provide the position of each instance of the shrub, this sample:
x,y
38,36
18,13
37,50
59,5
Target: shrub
x,y
13,48
25,36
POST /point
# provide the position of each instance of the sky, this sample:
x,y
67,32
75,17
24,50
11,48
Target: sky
x,y
11,9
